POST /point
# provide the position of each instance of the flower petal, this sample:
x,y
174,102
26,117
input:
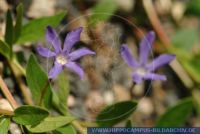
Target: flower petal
x,y
53,38
57,68
45,52
79,53
137,78
145,47
127,56
152,76
71,38
75,68
160,61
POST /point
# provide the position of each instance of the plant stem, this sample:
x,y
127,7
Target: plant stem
x,y
81,129
6,112
196,94
150,10
7,94
9,97
76,124
18,75
131,89
43,92
20,68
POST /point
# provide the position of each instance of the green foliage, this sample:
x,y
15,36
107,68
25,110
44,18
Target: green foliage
x,y
13,32
56,100
38,83
35,29
9,29
193,7
51,123
62,93
4,124
18,25
115,113
103,10
29,115
192,66
5,49
177,115
69,129
184,42
36,119
185,39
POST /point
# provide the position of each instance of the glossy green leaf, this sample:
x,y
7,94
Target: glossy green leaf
x,y
69,129
29,115
18,24
103,10
5,49
185,39
35,29
115,113
38,83
9,28
177,115
4,124
51,123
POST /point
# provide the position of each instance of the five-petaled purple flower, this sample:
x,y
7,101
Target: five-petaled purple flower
x,y
142,69
63,56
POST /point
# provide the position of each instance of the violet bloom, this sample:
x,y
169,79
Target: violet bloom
x,y
63,56
142,69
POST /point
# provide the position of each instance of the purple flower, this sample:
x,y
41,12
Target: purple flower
x,y
142,69
63,56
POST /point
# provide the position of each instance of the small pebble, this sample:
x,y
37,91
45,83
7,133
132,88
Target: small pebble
x,y
145,106
14,129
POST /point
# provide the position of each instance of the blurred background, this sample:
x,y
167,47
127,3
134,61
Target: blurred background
x,y
107,24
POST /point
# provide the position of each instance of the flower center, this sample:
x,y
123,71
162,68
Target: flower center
x,y
61,59
141,71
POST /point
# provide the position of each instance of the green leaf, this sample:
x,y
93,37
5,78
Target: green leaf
x,y
9,28
177,115
38,83
69,129
62,93
192,67
29,115
103,10
4,124
193,8
18,25
5,49
185,39
55,100
35,29
184,42
115,113
51,123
